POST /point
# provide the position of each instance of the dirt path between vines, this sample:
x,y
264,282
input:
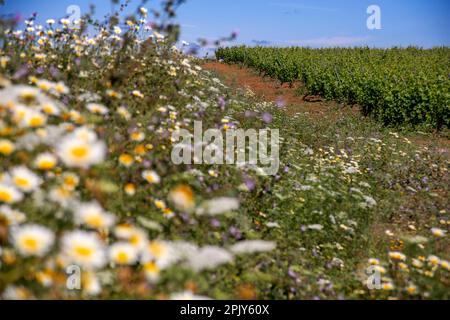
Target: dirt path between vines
x,y
269,89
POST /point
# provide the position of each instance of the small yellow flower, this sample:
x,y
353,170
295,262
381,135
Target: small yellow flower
x,y
126,160
113,94
61,88
397,256
380,269
168,213
137,136
403,266
434,260
387,286
438,233
44,85
159,204
411,289
130,189
213,173
45,161
4,61
140,150
183,197
445,264
152,271
124,113
33,240
123,253
417,263
374,262
50,108
6,147
151,177
70,180
137,93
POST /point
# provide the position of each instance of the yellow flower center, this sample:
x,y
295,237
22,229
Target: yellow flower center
x,y
46,164
36,121
122,257
140,150
30,244
5,196
6,148
126,159
80,152
70,181
95,221
84,252
156,249
59,88
22,182
135,239
44,86
48,108
151,267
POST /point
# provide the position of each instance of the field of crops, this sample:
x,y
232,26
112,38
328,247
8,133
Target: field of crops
x,y
395,85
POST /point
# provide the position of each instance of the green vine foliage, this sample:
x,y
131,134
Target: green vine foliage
x,y
396,86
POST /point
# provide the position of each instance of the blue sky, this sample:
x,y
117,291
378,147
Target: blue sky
x,y
289,22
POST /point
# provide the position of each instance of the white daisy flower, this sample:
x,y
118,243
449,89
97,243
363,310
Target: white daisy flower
x,y
151,177
183,197
84,134
45,161
33,119
93,215
159,252
61,195
9,194
124,231
32,240
80,153
84,249
50,108
97,108
117,30
44,85
25,179
123,253
152,271
60,88
6,147
137,93
138,238
438,233
90,284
